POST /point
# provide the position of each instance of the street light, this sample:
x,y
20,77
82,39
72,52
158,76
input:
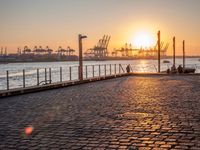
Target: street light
x,y
80,37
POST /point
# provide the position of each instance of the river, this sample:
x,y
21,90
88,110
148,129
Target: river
x,y
16,70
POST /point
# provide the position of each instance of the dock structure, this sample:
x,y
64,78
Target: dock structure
x,y
39,53
121,113
39,50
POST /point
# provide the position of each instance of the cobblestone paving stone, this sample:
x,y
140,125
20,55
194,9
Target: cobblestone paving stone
x,y
157,113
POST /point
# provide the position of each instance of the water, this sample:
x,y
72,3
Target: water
x,y
16,80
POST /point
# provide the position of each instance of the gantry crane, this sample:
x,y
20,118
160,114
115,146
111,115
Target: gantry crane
x,y
101,49
128,51
26,50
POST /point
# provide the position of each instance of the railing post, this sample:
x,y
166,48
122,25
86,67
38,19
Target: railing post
x,y
7,78
93,71
86,75
50,75
110,69
105,70
45,75
60,74
70,73
24,79
38,77
119,69
99,70
115,69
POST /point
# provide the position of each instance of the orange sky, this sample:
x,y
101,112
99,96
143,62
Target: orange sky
x,y
58,22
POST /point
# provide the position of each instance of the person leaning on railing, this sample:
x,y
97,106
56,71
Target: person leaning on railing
x,y
128,68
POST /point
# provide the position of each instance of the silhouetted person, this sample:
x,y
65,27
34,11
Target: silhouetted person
x,y
128,69
180,69
173,69
168,71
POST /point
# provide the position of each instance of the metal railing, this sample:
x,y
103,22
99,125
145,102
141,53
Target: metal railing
x,y
44,76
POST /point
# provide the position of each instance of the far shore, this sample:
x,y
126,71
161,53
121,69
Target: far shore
x,y
92,59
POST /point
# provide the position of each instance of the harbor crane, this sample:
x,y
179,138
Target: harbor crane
x,y
1,51
38,50
101,49
67,52
26,50
128,51
48,50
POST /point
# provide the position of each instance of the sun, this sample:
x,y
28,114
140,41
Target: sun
x,y
143,39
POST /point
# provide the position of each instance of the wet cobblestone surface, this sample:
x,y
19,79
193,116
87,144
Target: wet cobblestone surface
x,y
161,112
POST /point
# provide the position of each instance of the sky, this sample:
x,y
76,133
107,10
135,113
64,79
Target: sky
x,y
58,22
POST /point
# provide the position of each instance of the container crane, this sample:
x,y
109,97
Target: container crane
x,y
101,49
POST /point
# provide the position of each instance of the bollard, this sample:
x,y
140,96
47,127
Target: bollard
x,y
70,73
60,74
99,70
45,75
7,77
50,75
38,77
86,75
105,70
115,69
110,69
93,71
24,79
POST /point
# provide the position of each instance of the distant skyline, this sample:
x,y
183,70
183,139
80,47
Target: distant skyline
x,y
58,22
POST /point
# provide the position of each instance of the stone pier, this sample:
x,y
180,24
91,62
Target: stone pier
x,y
132,112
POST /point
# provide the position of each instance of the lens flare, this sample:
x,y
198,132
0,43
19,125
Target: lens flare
x,y
28,130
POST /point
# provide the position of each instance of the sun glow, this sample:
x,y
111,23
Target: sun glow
x,y
143,39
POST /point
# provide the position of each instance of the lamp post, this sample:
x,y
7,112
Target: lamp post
x,y
80,37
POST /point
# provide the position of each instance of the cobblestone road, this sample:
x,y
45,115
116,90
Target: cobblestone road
x,y
160,112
